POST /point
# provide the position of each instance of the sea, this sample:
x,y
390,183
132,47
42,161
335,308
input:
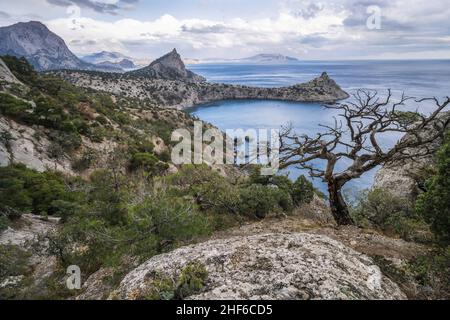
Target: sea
x,y
414,78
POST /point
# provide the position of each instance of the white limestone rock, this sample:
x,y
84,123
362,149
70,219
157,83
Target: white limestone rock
x,y
270,266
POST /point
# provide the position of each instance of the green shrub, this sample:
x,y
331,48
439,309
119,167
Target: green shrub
x,y
407,117
13,107
63,142
191,280
143,160
431,271
85,161
434,204
258,200
302,191
13,261
164,156
380,209
21,69
24,189
170,219
4,222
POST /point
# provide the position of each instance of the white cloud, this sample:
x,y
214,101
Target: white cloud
x,y
317,30
198,33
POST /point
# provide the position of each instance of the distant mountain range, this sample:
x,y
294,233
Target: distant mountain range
x,y
263,58
45,50
269,58
111,59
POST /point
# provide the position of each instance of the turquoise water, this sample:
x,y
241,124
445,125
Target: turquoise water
x,y
415,78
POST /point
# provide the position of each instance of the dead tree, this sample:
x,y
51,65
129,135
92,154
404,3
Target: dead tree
x,y
355,136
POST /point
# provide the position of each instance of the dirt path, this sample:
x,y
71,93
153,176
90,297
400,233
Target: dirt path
x,y
365,241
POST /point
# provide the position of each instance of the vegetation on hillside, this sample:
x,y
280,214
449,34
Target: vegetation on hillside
x,y
129,208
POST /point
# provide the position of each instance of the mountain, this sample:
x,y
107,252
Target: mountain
x,y
168,67
105,56
110,59
121,66
42,48
269,58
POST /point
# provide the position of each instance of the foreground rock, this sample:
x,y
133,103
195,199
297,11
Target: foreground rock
x,y
25,233
270,266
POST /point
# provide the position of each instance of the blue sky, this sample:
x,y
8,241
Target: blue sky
x,y
307,29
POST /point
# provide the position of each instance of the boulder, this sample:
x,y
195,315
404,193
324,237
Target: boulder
x,y
270,266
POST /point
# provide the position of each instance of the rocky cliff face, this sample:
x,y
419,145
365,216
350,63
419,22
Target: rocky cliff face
x,y
168,67
402,179
41,47
23,146
6,76
270,266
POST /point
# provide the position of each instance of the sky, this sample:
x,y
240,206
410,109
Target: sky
x,y
306,29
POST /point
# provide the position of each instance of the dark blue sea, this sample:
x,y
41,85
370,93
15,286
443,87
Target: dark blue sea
x,y
417,78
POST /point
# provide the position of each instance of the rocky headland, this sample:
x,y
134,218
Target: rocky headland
x,y
166,82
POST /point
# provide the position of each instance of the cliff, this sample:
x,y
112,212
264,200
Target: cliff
x,y
403,179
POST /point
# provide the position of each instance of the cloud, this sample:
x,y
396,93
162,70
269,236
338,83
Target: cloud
x,y
4,15
197,33
102,6
305,28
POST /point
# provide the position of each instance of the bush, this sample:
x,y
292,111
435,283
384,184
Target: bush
x,y
380,209
431,271
21,69
164,156
85,161
13,107
4,222
143,160
434,204
24,189
170,219
302,191
63,142
191,280
258,200
92,238
13,261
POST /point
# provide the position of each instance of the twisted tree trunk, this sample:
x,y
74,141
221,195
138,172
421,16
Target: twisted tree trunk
x,y
339,208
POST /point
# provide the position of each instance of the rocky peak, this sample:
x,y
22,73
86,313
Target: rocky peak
x,y
42,48
324,75
169,67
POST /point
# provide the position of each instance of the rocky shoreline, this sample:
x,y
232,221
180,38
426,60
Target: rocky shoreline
x,y
167,83
180,94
